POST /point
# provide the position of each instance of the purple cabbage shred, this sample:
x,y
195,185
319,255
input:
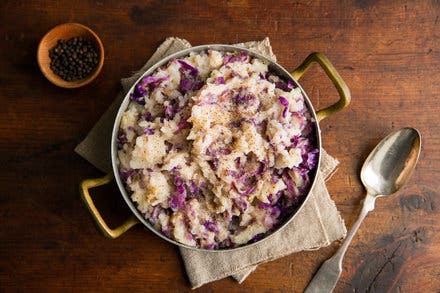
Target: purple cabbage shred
x,y
154,216
169,112
241,204
211,226
257,237
243,99
178,181
193,188
183,123
263,205
121,139
177,200
138,99
285,103
210,245
289,183
152,81
310,159
141,89
126,174
190,84
220,80
242,57
191,69
167,231
249,190
147,116
287,87
148,131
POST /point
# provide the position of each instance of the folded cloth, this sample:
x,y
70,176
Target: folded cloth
x,y
316,225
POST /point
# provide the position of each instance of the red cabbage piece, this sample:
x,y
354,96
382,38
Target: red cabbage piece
x,y
220,80
289,183
190,84
264,206
138,99
147,116
169,112
181,190
154,215
242,57
224,151
126,174
177,200
121,139
189,81
145,85
211,226
287,87
233,173
241,204
167,231
140,91
183,123
244,185
294,140
281,85
178,181
193,189
189,236
214,164
310,159
152,81
285,103
272,217
149,131
273,198
186,85
243,98
249,190
257,237
276,212
191,69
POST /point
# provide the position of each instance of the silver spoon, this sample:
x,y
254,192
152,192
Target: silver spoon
x,y
384,172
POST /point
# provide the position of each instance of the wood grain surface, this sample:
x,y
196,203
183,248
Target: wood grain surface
x,y
388,52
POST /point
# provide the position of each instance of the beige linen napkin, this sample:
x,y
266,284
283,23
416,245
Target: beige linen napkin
x,y
316,225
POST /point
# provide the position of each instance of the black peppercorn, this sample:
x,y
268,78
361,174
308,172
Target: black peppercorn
x,y
73,59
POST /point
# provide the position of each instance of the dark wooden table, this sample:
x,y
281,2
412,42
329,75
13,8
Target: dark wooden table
x,y
388,52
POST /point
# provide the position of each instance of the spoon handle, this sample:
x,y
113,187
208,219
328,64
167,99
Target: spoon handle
x,y
328,274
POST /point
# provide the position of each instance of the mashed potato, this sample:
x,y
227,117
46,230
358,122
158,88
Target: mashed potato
x,y
215,149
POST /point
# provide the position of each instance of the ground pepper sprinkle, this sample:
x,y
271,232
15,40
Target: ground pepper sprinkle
x,y
73,59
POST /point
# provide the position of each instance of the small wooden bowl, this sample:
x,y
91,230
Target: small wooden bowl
x,y
64,32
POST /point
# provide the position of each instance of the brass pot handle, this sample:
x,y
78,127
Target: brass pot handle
x,y
105,229
337,80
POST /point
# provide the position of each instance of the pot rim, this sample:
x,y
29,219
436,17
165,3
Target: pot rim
x,y
225,48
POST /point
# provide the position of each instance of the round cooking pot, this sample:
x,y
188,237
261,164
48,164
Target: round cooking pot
x,y
137,217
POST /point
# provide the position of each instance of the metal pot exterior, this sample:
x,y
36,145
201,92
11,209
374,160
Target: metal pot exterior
x,y
294,77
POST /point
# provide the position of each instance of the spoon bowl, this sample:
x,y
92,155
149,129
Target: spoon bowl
x,y
384,172
391,163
